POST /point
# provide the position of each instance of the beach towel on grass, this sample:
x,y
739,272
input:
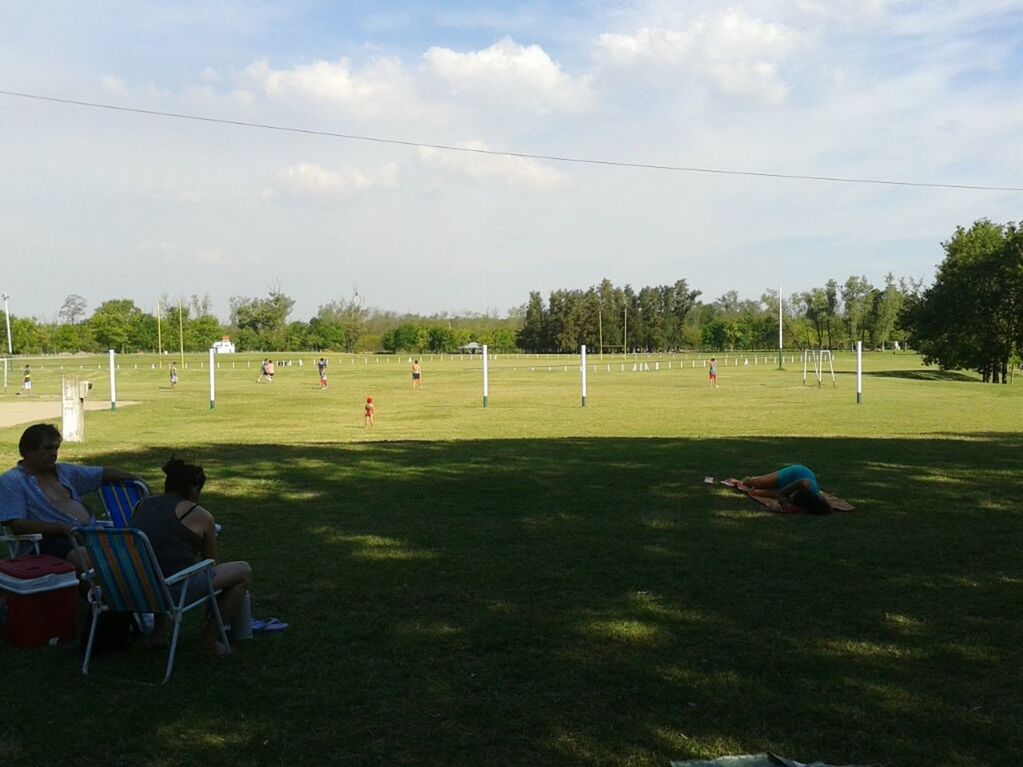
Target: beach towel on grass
x,y
776,506
755,760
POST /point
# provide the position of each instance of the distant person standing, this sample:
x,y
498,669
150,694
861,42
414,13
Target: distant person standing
x,y
262,371
417,375
173,375
270,370
322,367
714,372
26,381
369,412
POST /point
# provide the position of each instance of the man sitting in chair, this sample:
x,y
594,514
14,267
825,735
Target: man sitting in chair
x,y
181,532
40,495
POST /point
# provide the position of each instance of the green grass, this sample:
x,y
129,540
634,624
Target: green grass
x,y
542,583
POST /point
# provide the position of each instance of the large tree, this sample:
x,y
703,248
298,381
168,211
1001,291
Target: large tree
x,y
73,309
266,317
115,325
972,316
533,336
344,320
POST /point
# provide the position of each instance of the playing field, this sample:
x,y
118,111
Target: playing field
x,y
537,582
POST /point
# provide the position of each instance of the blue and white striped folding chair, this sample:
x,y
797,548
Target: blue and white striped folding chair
x,y
121,498
125,577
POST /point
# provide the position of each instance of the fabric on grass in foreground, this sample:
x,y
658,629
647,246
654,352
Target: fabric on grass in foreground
x,y
756,760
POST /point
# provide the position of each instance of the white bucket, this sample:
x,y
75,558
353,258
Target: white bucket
x,y
241,626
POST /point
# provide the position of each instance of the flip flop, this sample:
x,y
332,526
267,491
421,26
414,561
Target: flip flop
x,y
268,626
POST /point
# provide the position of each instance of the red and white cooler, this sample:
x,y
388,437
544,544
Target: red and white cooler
x,y
42,599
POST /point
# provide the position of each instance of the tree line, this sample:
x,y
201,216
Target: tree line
x,y
254,324
670,317
666,317
970,318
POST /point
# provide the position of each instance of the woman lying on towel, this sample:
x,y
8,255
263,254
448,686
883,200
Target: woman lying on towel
x,y
794,484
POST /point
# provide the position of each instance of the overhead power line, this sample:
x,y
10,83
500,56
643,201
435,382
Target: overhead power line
x,y
498,153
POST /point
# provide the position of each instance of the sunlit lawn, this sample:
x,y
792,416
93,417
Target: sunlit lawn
x,y
538,582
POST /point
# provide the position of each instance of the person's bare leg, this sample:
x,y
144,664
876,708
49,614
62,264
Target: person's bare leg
x,y
762,482
234,579
160,637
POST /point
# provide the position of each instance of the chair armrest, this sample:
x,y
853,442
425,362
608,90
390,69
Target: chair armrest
x,y
189,571
22,537
13,541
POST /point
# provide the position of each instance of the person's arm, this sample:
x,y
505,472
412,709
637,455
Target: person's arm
x,y
209,549
29,526
789,490
116,475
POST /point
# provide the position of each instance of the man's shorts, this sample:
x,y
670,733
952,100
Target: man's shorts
x,y
59,546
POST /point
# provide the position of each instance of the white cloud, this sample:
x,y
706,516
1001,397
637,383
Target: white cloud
x,y
314,180
210,75
513,171
740,54
380,87
507,72
114,85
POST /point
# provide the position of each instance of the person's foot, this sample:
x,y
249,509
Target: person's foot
x,y
215,649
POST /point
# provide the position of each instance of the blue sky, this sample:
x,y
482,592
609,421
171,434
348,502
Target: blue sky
x,y
110,205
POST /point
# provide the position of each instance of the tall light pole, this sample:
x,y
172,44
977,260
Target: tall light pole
x,y
7,316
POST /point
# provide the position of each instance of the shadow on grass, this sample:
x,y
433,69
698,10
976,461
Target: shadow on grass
x,y
579,601
924,375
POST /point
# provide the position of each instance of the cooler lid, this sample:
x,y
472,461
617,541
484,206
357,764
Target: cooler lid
x,y
35,566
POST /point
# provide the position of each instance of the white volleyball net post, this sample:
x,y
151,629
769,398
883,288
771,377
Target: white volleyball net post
x,y
113,382
213,380
582,367
486,377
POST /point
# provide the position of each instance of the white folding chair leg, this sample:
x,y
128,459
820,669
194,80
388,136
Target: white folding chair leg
x,y
92,636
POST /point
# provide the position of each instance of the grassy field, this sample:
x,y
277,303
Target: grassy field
x,y
537,582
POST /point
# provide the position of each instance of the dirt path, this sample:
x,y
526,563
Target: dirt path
x,y
30,410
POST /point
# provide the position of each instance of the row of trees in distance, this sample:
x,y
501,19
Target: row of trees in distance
x,y
970,318
668,317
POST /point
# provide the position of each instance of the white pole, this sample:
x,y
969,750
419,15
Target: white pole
x,y
213,380
5,375
780,343
113,382
583,365
486,380
859,372
7,315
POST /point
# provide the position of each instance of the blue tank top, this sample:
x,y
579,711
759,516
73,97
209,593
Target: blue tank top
x,y
796,472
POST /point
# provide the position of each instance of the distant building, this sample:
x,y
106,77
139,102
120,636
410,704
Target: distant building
x,y
224,346
471,348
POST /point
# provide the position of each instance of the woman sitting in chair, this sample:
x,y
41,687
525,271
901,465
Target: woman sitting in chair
x,y
182,532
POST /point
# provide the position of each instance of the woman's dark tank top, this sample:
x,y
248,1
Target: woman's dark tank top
x,y
176,546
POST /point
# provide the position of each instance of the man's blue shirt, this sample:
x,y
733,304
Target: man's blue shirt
x,y
22,498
